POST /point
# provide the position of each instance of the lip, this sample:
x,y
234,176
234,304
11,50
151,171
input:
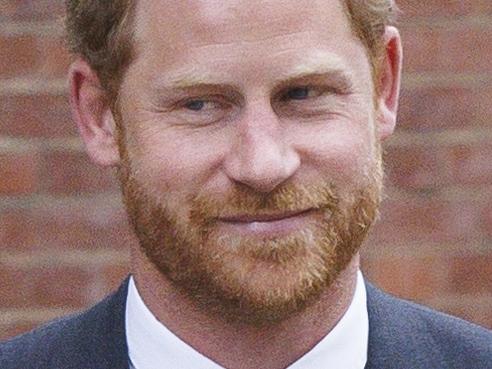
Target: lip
x,y
263,217
267,225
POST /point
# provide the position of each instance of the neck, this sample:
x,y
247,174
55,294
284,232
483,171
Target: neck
x,y
240,345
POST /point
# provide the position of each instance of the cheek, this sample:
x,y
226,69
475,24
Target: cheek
x,y
343,153
174,162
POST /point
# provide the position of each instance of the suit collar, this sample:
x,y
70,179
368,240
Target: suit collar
x,y
107,327
103,340
389,332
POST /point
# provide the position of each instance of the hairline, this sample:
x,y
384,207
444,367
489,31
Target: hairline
x,y
126,31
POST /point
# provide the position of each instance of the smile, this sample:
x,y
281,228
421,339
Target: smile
x,y
280,224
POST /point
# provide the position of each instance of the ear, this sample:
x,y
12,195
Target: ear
x,y
92,113
389,83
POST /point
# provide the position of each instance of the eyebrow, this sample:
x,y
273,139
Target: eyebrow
x,y
184,80
338,79
314,69
319,67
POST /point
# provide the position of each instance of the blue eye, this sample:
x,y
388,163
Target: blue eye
x,y
298,93
195,105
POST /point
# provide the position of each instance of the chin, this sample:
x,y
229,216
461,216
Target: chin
x,y
240,276
247,281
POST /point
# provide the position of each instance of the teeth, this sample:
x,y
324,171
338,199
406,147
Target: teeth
x,y
255,226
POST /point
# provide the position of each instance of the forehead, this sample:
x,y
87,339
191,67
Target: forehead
x,y
235,36
215,20
202,22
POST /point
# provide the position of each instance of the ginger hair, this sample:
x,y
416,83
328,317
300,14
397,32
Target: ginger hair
x,y
101,33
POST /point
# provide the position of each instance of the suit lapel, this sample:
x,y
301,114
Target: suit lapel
x,y
389,331
101,341
377,338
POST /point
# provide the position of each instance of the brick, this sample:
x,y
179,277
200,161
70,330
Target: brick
x,y
15,329
428,109
412,8
419,219
53,60
471,164
19,172
485,318
48,286
455,285
73,173
460,49
113,275
108,278
18,55
43,56
31,9
486,220
51,227
426,167
415,278
36,116
417,167
471,274
470,308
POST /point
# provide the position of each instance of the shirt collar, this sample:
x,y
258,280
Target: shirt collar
x,y
151,345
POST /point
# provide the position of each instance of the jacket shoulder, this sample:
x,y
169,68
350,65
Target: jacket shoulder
x,y
91,339
415,336
37,348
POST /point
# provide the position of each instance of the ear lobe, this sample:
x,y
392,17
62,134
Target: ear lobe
x,y
389,83
92,113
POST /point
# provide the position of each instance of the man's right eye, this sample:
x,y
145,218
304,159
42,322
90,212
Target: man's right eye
x,y
298,93
302,93
195,105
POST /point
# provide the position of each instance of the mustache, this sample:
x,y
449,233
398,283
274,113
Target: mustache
x,y
245,201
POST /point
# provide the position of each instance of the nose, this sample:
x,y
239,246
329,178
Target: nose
x,y
261,156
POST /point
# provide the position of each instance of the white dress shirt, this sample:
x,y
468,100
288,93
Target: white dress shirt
x,y
152,346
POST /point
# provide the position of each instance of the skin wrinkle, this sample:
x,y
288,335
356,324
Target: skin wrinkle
x,y
316,62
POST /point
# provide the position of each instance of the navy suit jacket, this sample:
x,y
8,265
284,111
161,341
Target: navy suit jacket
x,y
402,335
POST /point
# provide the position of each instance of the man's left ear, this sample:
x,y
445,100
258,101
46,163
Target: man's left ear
x,y
389,83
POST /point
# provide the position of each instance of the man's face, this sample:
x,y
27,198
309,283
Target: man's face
x,y
250,164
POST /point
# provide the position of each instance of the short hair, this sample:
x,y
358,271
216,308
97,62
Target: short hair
x,y
101,33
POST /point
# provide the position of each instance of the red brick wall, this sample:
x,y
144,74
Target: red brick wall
x,y
63,234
